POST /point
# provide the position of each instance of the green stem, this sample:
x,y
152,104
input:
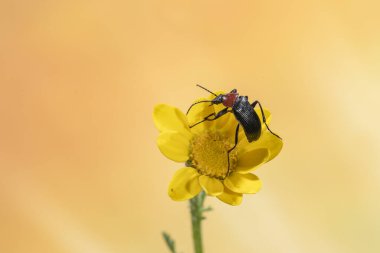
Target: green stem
x,y
196,209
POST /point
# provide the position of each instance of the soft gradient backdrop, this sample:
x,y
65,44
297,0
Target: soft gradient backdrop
x,y
79,168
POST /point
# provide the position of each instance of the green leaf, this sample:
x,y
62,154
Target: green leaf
x,y
169,242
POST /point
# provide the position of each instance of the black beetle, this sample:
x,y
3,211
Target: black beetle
x,y
244,113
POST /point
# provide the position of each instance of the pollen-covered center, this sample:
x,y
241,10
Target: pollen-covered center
x,y
208,154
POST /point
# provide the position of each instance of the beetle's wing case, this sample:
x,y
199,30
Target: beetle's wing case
x,y
247,118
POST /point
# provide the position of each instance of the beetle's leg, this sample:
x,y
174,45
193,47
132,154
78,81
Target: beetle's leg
x,y
264,119
213,116
229,151
191,106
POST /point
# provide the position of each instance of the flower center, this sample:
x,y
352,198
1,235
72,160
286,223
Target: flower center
x,y
208,154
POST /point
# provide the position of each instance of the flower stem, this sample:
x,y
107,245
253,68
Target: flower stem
x,y
196,209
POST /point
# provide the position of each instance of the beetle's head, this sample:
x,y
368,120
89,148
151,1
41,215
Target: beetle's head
x,y
218,99
230,98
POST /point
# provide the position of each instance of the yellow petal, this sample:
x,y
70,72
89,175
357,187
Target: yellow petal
x,y
174,145
267,140
226,125
168,118
273,143
252,158
243,183
230,197
198,112
211,186
184,184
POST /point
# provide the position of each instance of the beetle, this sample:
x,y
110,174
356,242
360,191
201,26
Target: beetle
x,y
243,111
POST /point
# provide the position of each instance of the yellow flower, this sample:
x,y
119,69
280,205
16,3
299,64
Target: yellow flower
x,y
204,148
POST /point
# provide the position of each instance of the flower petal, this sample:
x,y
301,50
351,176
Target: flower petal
x,y
267,140
243,183
227,126
211,186
198,112
174,145
230,197
169,118
184,184
251,159
272,143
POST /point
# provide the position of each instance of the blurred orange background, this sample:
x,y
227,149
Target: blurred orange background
x,y
79,167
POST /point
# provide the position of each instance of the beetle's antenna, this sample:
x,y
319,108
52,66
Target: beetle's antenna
x,y
203,101
207,90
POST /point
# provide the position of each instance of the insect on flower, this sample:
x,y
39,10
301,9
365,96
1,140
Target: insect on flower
x,y
204,148
243,111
